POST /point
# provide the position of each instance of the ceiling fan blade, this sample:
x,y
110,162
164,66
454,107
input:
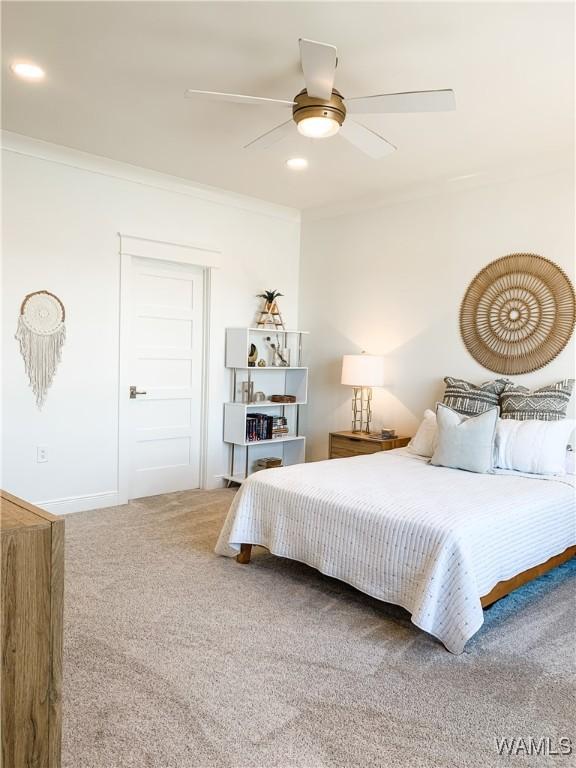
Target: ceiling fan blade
x,y
366,140
271,137
238,98
319,67
413,101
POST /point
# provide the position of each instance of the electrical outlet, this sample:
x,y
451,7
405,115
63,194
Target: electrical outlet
x,y
41,453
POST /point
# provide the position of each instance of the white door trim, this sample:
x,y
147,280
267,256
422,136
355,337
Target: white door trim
x,y
182,253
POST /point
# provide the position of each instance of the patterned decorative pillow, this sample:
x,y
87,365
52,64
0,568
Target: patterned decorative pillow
x,y
472,399
547,403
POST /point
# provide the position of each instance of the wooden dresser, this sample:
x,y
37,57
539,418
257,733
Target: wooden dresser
x,y
345,444
32,545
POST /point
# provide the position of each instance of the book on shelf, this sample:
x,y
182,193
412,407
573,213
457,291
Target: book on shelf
x,y
262,426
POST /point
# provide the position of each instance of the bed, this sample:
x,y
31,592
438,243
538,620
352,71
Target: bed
x,y
442,543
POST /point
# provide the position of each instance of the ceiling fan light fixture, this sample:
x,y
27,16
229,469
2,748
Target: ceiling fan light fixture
x,y
318,118
318,127
319,110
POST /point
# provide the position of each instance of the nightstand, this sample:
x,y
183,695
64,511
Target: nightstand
x,y
344,444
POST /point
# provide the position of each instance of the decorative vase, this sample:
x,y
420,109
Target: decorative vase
x,y
270,315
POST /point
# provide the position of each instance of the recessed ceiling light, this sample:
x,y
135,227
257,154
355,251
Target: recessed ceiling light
x,y
297,163
27,71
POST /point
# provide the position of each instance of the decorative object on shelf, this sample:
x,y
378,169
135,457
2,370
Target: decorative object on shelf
x,y
270,314
247,391
262,363
268,462
282,398
259,397
41,333
518,313
252,355
279,357
387,434
362,372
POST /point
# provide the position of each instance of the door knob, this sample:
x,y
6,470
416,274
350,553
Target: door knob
x,y
135,391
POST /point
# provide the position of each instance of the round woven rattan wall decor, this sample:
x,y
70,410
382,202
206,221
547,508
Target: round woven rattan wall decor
x,y
518,313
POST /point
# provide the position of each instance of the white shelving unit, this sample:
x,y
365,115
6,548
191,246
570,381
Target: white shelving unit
x,y
270,380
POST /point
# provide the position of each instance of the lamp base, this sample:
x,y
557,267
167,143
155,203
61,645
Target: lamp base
x,y
361,410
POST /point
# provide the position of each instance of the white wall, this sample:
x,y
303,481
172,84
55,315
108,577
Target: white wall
x,y
62,211
390,281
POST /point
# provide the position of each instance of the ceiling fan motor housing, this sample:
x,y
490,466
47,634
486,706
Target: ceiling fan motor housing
x,y
309,106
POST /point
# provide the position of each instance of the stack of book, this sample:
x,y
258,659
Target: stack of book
x,y
261,426
267,463
279,426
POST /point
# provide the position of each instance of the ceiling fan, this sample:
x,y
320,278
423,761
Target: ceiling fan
x,y
320,111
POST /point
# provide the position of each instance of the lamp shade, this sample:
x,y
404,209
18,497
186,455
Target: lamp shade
x,y
363,370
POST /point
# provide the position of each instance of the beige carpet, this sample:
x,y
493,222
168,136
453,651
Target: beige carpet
x,y
176,658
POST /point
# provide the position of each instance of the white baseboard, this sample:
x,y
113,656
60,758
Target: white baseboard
x,y
102,500
80,503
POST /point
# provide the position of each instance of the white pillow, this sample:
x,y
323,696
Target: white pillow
x,y
532,446
424,441
465,442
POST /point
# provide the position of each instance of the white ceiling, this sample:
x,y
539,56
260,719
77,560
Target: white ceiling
x,y
117,71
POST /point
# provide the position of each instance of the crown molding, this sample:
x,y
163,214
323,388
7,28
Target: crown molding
x,y
542,165
548,164
20,144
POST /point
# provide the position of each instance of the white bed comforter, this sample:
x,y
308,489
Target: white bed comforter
x,y
430,539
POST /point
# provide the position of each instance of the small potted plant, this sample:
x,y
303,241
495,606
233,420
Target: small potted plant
x,y
270,314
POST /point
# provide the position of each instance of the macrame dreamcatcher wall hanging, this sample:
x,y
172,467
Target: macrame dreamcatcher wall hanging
x,y
41,333
518,313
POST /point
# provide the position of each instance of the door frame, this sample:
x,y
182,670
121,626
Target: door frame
x,y
132,246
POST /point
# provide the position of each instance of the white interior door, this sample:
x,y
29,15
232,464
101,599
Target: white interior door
x,y
165,338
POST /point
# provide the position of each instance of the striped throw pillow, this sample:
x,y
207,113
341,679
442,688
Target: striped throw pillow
x,y
547,403
472,399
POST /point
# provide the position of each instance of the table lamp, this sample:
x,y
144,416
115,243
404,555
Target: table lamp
x,y
362,372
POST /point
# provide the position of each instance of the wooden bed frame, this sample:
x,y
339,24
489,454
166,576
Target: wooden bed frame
x,y
501,589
